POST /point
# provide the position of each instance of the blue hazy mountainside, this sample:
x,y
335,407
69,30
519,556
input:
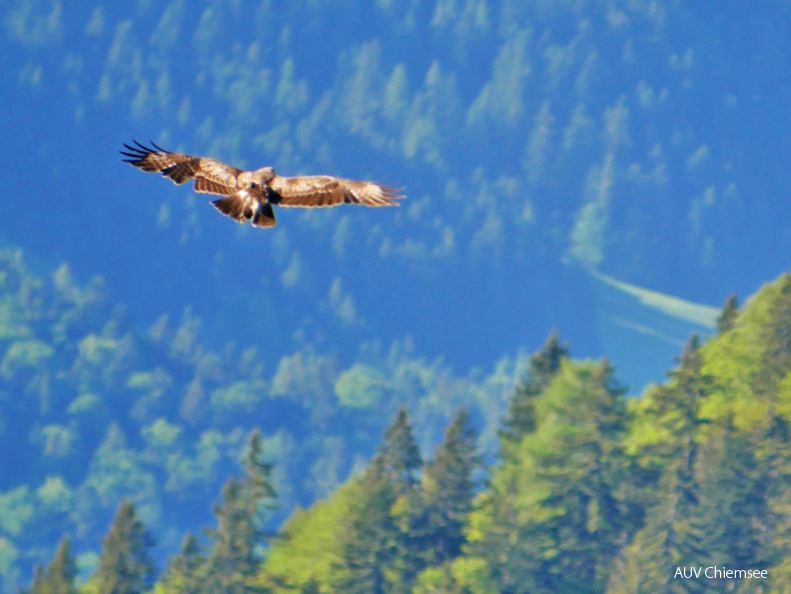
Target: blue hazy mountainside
x,y
567,165
534,142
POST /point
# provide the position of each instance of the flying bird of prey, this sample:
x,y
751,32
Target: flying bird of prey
x,y
249,195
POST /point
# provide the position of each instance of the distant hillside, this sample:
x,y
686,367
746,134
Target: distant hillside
x,y
636,139
93,410
543,147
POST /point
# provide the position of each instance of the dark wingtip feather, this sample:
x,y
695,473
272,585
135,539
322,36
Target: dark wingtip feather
x,y
135,153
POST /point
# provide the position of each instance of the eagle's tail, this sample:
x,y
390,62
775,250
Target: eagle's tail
x,y
264,216
240,210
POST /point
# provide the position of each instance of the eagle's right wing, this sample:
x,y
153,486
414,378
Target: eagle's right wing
x,y
326,190
211,176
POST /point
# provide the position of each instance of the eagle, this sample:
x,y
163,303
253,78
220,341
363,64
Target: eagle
x,y
249,195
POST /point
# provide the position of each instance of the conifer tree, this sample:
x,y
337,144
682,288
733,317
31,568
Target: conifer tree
x,y
58,578
185,573
400,464
38,586
735,507
557,512
448,490
369,544
400,458
590,517
728,315
675,407
674,529
62,571
520,418
125,565
241,514
379,551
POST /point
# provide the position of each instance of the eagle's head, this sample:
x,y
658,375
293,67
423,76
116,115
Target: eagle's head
x,y
262,177
258,178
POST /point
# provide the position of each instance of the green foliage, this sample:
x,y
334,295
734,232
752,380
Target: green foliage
x,y
16,509
234,558
597,493
448,488
730,312
520,419
379,531
108,412
556,512
59,576
307,548
186,571
24,354
55,494
360,387
399,458
369,545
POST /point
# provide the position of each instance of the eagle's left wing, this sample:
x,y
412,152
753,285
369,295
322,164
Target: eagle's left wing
x,y
211,176
325,190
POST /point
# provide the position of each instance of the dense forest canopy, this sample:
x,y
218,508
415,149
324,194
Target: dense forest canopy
x,y
591,491
613,170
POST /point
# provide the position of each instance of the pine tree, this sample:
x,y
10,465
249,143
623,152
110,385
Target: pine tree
x,y
590,518
379,551
185,571
400,458
520,418
62,571
448,490
58,577
369,544
558,510
241,514
737,515
674,530
675,407
38,586
125,565
728,315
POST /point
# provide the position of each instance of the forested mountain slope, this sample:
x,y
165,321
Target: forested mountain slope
x,y
569,165
591,491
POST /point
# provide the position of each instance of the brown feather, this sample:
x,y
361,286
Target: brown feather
x,y
207,186
249,195
264,216
231,206
325,190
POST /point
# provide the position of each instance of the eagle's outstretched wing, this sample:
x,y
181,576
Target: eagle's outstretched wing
x,y
249,195
326,190
211,176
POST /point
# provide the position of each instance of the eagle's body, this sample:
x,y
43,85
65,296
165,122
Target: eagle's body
x,y
249,195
